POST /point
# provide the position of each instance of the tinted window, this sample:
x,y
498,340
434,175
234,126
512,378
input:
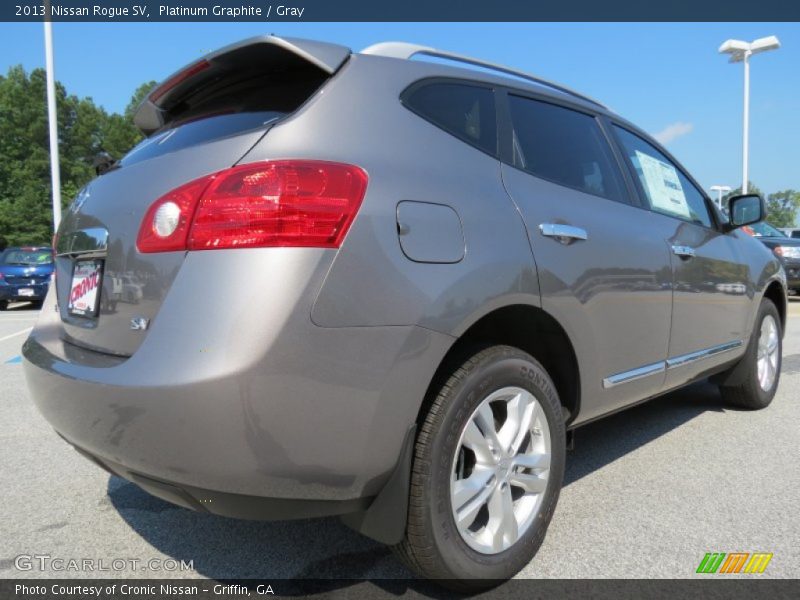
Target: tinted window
x,y
667,190
564,146
198,132
466,111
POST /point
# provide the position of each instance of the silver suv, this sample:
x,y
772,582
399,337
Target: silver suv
x,y
389,290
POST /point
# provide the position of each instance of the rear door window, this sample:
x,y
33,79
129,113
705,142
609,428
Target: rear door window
x,y
564,146
466,111
666,189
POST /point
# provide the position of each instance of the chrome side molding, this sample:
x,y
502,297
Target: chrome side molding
x,y
685,359
634,374
671,363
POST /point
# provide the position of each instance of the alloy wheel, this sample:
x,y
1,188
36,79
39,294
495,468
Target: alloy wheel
x,y
500,470
767,358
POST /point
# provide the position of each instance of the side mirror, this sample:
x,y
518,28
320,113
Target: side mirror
x,y
744,210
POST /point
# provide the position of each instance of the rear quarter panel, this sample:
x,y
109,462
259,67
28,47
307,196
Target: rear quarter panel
x,y
371,281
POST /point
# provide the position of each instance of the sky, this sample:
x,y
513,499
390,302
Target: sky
x,y
667,78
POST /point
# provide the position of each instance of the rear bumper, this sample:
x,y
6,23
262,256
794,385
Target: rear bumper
x,y
284,410
225,504
12,292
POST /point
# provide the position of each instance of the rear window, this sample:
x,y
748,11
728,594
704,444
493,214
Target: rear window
x,y
466,111
564,146
198,132
243,90
29,258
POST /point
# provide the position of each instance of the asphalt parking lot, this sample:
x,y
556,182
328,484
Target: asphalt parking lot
x,y
648,492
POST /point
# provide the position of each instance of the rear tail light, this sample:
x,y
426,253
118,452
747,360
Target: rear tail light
x,y
299,203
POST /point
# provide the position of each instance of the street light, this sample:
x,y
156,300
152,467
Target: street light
x,y
741,52
52,118
721,190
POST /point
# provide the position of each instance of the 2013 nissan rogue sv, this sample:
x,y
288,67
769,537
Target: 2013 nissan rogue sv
x,y
388,289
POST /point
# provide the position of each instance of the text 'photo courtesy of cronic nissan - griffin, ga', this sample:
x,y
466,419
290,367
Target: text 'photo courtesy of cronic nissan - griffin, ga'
x,y
459,264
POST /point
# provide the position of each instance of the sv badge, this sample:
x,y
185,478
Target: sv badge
x,y
139,323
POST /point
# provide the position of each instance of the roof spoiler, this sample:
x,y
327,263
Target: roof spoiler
x,y
153,113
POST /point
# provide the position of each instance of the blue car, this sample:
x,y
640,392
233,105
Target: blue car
x,y
25,274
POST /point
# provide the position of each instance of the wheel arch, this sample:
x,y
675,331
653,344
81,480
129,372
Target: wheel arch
x,y
775,291
529,328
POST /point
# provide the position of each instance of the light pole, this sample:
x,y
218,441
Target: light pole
x,y
741,52
52,117
721,190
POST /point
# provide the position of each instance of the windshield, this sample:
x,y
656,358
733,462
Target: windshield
x,y
763,229
29,258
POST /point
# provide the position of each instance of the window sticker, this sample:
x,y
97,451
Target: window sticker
x,y
663,186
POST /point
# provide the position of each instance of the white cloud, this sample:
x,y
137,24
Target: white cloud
x,y
673,131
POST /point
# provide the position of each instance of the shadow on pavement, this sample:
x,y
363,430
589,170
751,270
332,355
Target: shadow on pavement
x,y
222,548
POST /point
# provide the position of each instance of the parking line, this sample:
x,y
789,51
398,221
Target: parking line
x,y
15,360
8,337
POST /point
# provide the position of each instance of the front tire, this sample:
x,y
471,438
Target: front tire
x,y
488,468
761,363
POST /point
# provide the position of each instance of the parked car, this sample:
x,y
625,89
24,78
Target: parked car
x,y
792,232
787,250
131,289
25,274
390,290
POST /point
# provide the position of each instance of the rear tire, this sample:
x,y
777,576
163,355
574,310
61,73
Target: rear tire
x,y
515,473
3,304
761,363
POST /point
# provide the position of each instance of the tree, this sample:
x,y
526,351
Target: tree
x,y
782,208
137,98
84,130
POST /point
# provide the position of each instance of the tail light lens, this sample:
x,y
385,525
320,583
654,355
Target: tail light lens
x,y
299,203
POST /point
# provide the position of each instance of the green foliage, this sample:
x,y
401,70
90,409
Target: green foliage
x,y
782,207
137,98
84,130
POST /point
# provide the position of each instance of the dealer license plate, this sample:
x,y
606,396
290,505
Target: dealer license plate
x,y
84,295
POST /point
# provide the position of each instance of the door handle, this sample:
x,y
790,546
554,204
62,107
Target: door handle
x,y
566,234
683,251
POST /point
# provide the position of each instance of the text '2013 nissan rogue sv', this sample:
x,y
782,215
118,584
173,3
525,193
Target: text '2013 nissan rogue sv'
x,y
386,289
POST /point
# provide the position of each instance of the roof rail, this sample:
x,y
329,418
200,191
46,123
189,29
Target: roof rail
x,y
406,51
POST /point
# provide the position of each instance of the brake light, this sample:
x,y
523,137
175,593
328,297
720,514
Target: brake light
x,y
179,78
288,203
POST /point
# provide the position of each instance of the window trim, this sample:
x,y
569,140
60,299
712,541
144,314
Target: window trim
x,y
645,205
406,94
507,155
